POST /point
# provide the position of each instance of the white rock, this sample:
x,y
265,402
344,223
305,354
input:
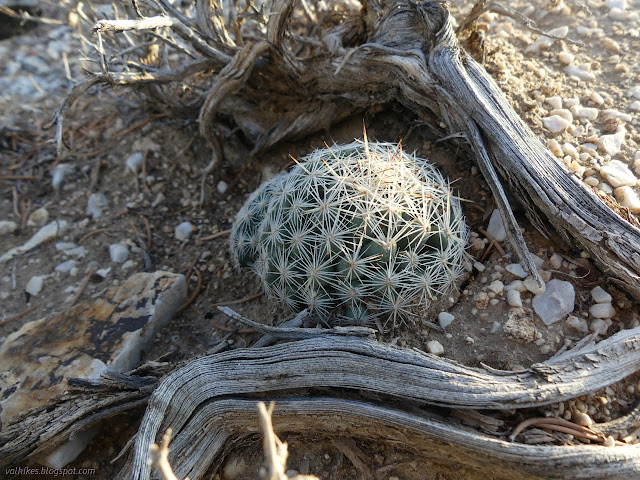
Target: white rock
x,y
75,252
496,287
596,98
58,174
635,106
555,123
611,144
478,266
34,285
445,319
545,42
513,298
38,218
617,14
222,187
617,174
496,227
621,4
602,310
435,347
557,301
566,58
569,149
46,233
588,113
517,270
96,204
579,324
7,226
555,102
634,92
103,272
564,113
183,231
531,284
62,246
134,162
119,253
66,267
599,295
555,261
599,326
582,74
613,113
128,264
628,198
516,285
496,327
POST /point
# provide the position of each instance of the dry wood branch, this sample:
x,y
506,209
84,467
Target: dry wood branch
x,y
357,364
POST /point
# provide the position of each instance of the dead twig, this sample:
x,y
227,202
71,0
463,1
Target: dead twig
x,y
17,316
195,294
212,237
82,286
159,457
95,232
560,425
237,302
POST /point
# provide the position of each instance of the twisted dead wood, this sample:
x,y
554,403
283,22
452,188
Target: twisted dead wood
x,y
198,394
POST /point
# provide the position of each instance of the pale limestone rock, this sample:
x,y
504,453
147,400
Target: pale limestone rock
x,y
434,347
107,334
496,227
611,144
599,295
557,301
617,174
520,325
445,319
602,310
628,198
556,123
46,233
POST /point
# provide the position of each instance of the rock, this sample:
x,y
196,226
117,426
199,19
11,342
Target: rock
x,y
531,284
617,174
34,285
516,285
555,123
96,204
481,300
557,301
496,327
66,267
621,4
634,92
46,233
617,14
134,162
38,218
445,319
599,326
7,226
628,198
555,261
599,295
611,144
222,187
183,231
517,270
635,106
520,325
514,299
57,177
579,324
588,113
434,347
496,227
602,310
544,42
107,334
496,287
580,73
566,58
119,253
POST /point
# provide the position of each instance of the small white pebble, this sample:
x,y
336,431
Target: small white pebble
x,y
183,231
531,284
479,266
134,162
496,227
38,218
555,147
599,295
556,124
497,287
579,324
7,226
555,102
66,267
555,261
566,58
602,310
596,98
628,198
599,326
34,285
222,187
445,319
469,340
118,252
516,285
517,270
513,298
496,327
434,347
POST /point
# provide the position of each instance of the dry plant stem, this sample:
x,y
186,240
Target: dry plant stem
x,y
239,301
558,424
82,286
214,236
17,315
296,333
361,365
195,294
159,457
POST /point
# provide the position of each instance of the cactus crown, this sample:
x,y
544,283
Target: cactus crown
x,y
364,227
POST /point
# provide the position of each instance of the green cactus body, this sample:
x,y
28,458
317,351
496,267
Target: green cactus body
x,y
353,232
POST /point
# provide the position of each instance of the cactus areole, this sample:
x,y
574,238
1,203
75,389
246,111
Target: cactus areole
x,y
353,232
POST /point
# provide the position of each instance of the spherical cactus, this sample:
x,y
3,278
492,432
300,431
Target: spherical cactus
x,y
352,232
